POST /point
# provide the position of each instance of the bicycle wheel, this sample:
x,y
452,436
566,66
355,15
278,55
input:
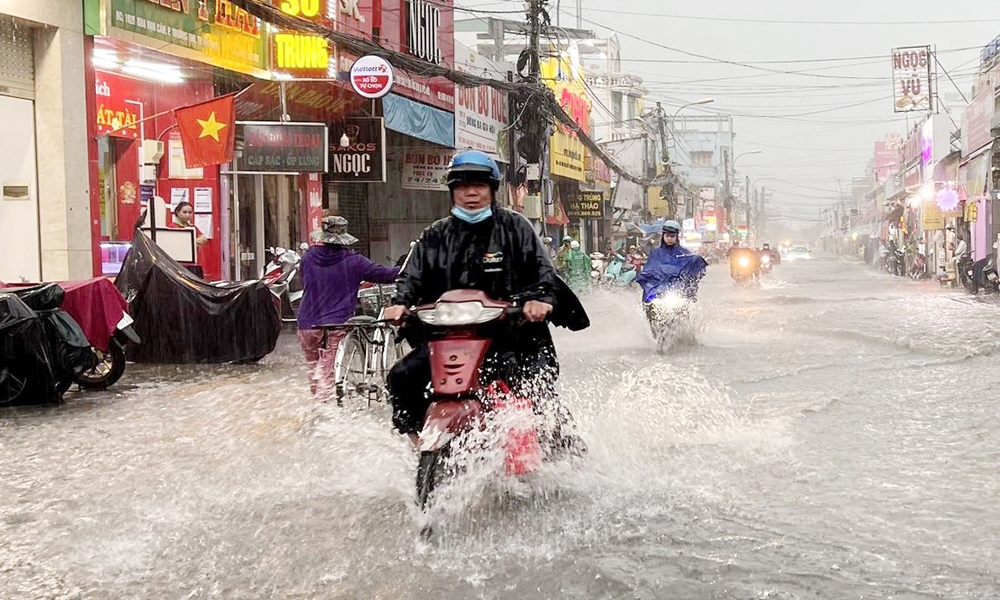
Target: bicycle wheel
x,y
350,368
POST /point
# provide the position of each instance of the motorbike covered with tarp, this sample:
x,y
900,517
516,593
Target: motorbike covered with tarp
x,y
42,349
182,318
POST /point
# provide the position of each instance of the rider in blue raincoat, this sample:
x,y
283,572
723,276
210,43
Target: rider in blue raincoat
x,y
671,267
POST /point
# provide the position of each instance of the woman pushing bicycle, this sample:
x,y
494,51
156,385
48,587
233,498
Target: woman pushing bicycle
x,y
331,276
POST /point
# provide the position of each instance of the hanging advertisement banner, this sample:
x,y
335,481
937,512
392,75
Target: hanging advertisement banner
x,y
931,217
911,79
480,112
284,147
567,151
586,205
119,105
977,118
371,77
426,169
216,32
357,150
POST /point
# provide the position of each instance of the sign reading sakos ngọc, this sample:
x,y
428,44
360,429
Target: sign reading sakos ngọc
x,y
357,150
426,169
372,76
119,107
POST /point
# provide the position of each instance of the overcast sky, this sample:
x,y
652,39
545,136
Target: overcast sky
x,y
813,127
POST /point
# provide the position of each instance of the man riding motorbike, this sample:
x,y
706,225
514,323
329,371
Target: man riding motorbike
x,y
743,262
485,247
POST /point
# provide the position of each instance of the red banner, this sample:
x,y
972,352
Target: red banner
x,y
208,131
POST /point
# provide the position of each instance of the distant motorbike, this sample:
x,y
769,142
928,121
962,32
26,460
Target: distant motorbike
x,y
619,272
918,270
742,268
765,264
280,276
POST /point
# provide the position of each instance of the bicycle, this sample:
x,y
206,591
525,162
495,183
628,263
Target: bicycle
x,y
366,353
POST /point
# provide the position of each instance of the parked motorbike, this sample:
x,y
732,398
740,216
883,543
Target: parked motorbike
x,y
60,350
620,272
984,275
598,263
280,276
964,273
470,417
918,270
100,311
894,263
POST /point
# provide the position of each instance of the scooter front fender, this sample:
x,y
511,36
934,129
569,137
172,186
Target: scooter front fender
x,y
447,419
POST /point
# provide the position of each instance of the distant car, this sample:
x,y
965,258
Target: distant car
x,y
799,253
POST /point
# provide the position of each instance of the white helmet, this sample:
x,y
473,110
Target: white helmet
x,y
574,245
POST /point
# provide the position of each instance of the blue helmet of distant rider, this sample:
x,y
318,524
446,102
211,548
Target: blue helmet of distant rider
x,y
473,178
671,233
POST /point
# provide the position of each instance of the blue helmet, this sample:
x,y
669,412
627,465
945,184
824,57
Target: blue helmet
x,y
671,227
473,166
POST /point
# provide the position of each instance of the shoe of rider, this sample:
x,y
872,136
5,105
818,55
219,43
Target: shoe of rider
x,y
481,246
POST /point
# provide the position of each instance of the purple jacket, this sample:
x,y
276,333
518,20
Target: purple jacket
x,y
331,276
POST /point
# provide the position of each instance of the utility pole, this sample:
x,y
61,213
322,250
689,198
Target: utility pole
x,y
726,199
667,189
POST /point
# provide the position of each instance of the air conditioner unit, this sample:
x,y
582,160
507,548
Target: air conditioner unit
x,y
532,207
152,152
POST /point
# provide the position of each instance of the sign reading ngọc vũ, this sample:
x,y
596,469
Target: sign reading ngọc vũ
x,y
216,32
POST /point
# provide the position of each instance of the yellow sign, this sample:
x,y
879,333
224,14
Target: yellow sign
x,y
931,216
294,51
567,151
971,211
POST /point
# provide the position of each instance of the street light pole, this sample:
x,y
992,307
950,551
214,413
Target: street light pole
x,y
667,189
747,190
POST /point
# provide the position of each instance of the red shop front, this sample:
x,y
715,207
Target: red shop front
x,y
121,133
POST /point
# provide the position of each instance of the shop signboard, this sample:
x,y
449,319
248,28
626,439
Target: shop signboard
x,y
357,150
911,79
299,54
480,112
586,205
119,105
284,147
976,124
216,32
886,158
931,216
426,169
568,152
371,77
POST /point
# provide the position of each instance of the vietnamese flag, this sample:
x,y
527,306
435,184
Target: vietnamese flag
x,y
208,131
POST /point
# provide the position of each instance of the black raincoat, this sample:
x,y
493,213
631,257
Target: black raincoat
x,y
502,256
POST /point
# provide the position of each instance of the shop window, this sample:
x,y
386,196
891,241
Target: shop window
x,y
701,159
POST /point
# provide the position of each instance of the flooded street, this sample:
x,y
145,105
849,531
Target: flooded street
x,y
831,434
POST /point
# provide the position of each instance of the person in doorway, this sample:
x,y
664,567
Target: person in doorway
x,y
331,276
184,219
485,247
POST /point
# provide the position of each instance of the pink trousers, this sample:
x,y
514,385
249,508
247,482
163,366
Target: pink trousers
x,y
321,360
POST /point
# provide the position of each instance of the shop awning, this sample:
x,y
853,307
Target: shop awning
x,y
316,101
419,120
895,214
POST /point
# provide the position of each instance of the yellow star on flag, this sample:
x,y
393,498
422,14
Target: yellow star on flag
x,y
210,127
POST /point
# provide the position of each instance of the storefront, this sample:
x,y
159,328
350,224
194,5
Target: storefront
x,y
44,211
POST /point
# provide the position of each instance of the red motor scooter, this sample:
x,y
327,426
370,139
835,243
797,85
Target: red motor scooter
x,y
469,413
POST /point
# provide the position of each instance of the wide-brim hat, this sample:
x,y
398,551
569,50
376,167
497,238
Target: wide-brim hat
x,y
333,231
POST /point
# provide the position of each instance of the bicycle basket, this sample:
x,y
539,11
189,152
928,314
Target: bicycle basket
x,y
372,300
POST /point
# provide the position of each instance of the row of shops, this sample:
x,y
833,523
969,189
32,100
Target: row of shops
x,y
306,143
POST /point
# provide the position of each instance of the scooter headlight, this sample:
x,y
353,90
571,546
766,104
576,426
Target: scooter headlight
x,y
765,259
669,302
744,261
450,314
